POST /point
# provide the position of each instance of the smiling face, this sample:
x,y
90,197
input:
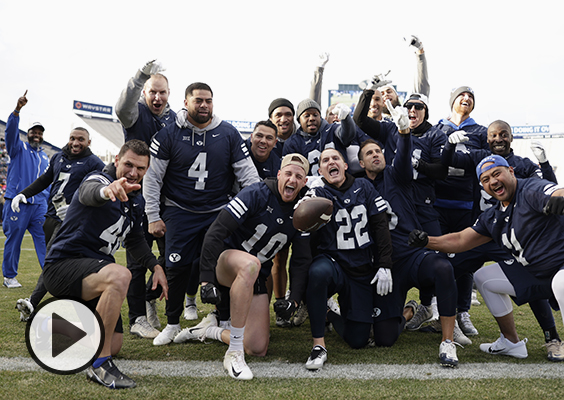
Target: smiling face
x,y
156,94
310,121
500,183
376,106
372,160
332,166
35,136
131,166
263,140
291,179
200,107
79,140
463,104
500,138
415,112
283,118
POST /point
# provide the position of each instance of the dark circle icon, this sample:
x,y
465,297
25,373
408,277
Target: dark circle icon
x,y
64,336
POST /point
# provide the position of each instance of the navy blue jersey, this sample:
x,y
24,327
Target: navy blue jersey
x,y
66,174
395,185
347,238
97,232
533,238
460,189
199,164
147,124
265,227
267,169
426,147
311,146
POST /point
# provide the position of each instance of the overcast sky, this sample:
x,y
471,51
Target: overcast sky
x,y
251,52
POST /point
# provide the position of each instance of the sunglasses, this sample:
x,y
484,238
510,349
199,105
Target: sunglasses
x,y
418,106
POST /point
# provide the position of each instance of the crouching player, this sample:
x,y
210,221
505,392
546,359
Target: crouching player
x,y
105,211
237,253
528,223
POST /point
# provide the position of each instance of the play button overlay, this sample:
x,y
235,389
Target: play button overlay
x,y
64,336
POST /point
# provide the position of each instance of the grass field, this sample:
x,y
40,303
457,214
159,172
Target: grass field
x,y
291,346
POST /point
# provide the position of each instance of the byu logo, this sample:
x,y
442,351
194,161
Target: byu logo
x,y
174,257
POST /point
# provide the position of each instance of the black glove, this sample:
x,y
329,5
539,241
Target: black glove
x,y
418,238
555,206
284,308
210,294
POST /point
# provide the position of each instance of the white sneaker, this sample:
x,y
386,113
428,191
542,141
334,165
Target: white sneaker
x,y
191,312
143,328
11,283
502,346
300,315
197,332
152,317
459,336
447,354
475,301
465,324
25,308
167,335
317,358
333,306
235,365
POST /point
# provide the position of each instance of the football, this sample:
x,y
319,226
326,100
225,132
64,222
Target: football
x,y
311,214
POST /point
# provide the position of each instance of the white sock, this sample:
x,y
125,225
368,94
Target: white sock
x,y
236,338
190,300
214,332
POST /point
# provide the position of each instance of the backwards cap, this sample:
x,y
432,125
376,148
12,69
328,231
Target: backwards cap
x,y
295,159
495,160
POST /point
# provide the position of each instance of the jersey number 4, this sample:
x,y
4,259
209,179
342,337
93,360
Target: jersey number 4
x,y
198,171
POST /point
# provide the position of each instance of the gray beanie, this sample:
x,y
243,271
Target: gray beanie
x,y
458,91
305,104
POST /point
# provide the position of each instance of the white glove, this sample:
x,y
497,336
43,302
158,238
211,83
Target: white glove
x,y
414,41
20,198
378,81
62,212
152,67
538,151
341,111
458,137
414,162
323,59
399,114
384,279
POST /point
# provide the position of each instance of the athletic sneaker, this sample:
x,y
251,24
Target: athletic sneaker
x,y
475,301
283,323
411,304
143,328
235,365
25,308
555,351
300,315
317,358
12,283
332,305
152,317
458,336
447,354
109,375
502,346
191,312
197,332
423,314
167,335
465,324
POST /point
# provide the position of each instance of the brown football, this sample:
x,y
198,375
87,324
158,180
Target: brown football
x,y
311,214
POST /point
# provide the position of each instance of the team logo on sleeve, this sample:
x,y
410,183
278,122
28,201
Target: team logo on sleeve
x,y
174,257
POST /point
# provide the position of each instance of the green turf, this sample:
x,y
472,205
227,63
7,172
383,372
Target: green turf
x,y
287,345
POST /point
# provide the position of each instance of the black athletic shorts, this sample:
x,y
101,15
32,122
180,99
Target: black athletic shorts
x,y
63,279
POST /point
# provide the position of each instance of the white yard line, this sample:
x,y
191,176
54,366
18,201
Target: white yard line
x,y
202,369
